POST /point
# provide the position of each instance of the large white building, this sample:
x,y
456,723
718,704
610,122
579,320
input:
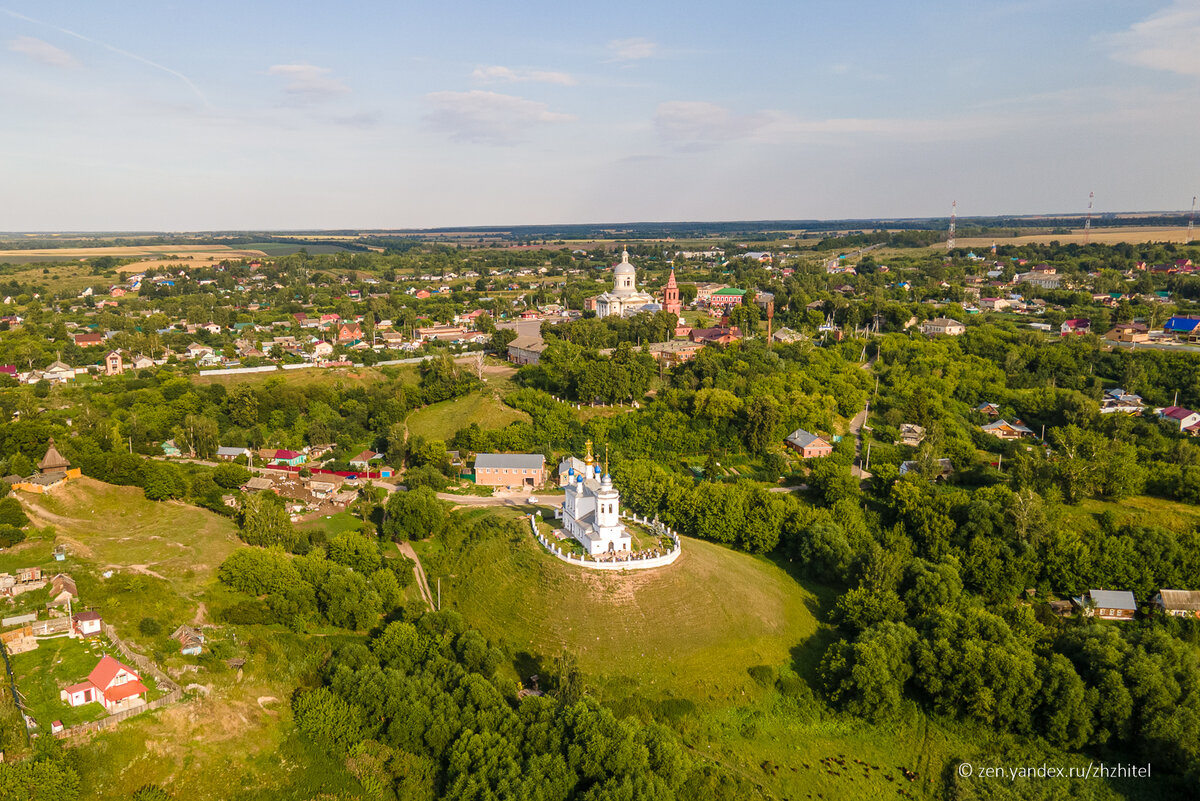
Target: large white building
x,y
624,298
591,511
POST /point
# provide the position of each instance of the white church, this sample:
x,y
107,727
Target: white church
x,y
625,299
591,511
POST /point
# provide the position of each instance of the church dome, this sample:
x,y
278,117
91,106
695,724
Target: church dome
x,y
624,268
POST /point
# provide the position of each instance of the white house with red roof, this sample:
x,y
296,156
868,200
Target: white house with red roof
x,y
1075,326
114,686
1186,418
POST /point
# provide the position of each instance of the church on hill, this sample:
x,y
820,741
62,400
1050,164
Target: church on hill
x,y
591,510
625,298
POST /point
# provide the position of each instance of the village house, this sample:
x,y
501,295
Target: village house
x,y
990,409
1187,420
1075,326
808,445
526,349
1128,332
58,373
940,326
1186,328
349,332
1108,604
87,624
911,434
1006,430
229,454
994,304
115,686
1178,603
363,460
511,470
191,640
196,351
1118,400
62,591
89,340
113,363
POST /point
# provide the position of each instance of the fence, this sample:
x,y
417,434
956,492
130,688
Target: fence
x,y
174,693
633,563
12,684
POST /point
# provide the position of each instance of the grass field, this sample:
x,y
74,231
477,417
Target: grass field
x,y
442,420
690,630
163,556
1141,510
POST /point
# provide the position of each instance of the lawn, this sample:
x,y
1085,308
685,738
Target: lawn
x,y
443,420
54,664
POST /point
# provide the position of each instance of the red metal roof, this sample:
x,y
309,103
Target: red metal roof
x,y
103,674
123,691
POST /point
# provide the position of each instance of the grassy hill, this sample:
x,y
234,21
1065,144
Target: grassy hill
x,y
443,420
691,630
680,644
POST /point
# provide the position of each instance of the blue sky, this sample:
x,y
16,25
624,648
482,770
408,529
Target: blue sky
x,y
224,115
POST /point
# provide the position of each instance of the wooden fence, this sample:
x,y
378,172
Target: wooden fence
x,y
174,693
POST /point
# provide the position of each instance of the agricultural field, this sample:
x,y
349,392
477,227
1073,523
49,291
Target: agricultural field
x,y
311,375
169,254
277,249
1101,236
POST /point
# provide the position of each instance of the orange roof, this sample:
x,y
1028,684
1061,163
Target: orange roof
x,y
103,674
123,691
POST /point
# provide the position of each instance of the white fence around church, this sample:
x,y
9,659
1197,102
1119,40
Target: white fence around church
x,y
634,562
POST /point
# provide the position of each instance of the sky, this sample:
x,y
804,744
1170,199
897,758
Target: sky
x,y
183,116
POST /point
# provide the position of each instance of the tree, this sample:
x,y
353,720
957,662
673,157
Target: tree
x,y
501,339
11,513
263,521
242,405
355,551
414,515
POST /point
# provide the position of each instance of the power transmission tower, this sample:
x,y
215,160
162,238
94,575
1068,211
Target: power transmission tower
x,y
1087,226
1192,219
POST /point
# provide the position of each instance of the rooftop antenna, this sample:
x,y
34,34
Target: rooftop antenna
x,y
1192,219
1087,226
953,219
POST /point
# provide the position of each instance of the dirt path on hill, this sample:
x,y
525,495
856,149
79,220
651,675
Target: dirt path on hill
x,y
419,572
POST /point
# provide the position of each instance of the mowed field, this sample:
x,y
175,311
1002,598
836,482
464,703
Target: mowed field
x,y
1101,236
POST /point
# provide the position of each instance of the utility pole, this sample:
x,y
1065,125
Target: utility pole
x,y
439,593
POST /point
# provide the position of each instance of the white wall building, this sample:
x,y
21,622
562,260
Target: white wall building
x,y
624,298
591,510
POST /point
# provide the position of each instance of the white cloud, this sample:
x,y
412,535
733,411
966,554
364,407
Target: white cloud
x,y
1166,40
698,125
497,74
488,117
633,49
42,51
305,80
